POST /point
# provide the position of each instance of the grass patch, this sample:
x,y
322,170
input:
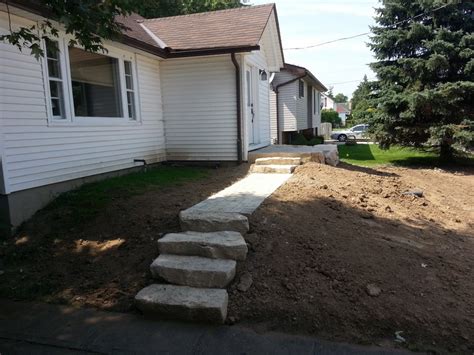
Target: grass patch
x,y
87,201
371,154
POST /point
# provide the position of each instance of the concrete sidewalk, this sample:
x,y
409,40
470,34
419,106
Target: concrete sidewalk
x,y
27,328
244,196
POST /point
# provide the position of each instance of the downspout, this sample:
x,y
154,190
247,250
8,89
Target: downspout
x,y
277,91
239,107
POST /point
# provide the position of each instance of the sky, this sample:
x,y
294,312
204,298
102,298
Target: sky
x,y
307,22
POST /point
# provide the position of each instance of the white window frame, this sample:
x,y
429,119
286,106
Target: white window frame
x,y
70,117
65,79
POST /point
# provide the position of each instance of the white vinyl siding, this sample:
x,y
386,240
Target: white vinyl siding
x,y
287,103
200,108
36,153
302,109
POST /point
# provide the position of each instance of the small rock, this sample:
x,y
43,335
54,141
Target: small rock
x,y
245,282
251,238
414,192
373,290
1,272
366,215
232,320
388,209
324,187
457,220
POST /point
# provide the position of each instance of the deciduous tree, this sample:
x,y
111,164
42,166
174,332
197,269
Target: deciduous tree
x,y
92,21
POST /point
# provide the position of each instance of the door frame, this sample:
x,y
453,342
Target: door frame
x,y
252,127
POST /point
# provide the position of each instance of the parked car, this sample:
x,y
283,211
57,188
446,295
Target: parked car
x,y
356,132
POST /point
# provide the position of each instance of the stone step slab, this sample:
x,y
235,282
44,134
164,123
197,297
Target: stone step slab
x,y
214,245
194,271
202,221
278,161
273,169
183,303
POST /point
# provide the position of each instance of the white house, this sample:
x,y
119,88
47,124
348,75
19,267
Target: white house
x,y
342,109
295,103
327,103
191,88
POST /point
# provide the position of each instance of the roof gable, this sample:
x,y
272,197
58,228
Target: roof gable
x,y
240,27
298,71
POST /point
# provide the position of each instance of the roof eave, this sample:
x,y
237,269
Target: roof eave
x,y
317,83
182,53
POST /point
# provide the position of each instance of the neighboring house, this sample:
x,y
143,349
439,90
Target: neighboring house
x,y
343,110
191,88
295,103
327,102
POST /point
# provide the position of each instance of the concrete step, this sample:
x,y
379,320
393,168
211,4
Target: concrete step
x,y
194,271
273,169
278,161
215,245
183,303
201,221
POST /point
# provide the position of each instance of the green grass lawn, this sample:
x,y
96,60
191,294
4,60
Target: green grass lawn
x,y
371,154
88,200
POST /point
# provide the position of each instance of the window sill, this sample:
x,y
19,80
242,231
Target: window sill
x,y
93,122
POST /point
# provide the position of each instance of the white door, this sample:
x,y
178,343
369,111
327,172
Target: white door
x,y
252,119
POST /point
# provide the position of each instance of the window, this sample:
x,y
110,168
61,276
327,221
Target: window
x,y
315,102
129,89
90,88
301,88
95,84
55,81
358,128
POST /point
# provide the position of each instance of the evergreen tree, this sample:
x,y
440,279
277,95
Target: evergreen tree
x,y
426,71
363,102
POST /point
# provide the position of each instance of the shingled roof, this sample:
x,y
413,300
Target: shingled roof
x,y
223,31
232,28
300,71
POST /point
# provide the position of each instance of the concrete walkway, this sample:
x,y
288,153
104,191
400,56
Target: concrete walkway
x,y
244,196
50,329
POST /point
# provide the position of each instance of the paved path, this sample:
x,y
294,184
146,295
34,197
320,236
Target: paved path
x,y
50,329
244,196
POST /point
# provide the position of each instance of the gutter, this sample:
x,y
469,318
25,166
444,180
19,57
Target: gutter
x,y
239,107
173,53
277,91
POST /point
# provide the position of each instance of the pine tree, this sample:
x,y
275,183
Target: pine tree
x,y
426,71
364,102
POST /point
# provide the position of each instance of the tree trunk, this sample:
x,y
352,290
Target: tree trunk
x,y
446,153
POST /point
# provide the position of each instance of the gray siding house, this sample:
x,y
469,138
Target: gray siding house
x,y
295,102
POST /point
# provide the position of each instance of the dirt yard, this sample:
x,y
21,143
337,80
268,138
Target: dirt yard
x,y
102,262
343,254
339,253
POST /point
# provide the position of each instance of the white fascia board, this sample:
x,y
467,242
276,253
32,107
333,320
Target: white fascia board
x,y
155,37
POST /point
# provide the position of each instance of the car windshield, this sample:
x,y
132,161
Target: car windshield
x,y
357,128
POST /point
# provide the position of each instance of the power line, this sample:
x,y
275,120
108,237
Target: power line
x,y
365,33
350,81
